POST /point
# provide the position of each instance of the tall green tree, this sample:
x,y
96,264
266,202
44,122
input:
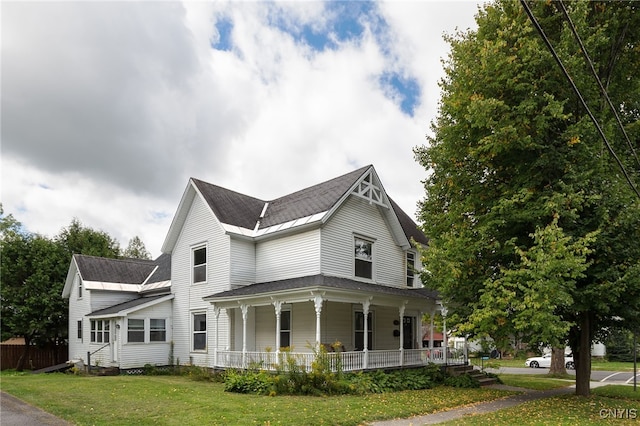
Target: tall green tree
x,y
533,231
33,272
136,249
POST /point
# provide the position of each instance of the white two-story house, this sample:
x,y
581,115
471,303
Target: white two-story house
x,y
240,279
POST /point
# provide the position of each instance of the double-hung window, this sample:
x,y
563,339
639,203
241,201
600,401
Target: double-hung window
x,y
199,265
135,330
363,257
411,267
285,328
157,330
199,331
99,331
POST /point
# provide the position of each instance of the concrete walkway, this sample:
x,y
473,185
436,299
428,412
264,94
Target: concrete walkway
x,y
479,408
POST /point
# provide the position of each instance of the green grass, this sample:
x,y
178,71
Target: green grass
x,y
534,381
600,408
177,400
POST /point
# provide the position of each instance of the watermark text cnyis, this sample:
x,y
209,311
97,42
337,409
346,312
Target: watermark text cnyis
x,y
618,413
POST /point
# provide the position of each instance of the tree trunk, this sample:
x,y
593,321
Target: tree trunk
x,y
25,354
582,359
557,362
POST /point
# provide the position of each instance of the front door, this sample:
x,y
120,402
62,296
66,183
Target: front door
x,y
407,331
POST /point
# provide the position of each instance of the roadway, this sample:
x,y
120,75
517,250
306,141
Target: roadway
x,y
611,377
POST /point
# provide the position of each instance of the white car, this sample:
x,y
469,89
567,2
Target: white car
x,y
545,362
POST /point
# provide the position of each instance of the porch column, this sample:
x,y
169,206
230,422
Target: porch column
x,y
317,301
216,315
365,313
432,314
278,307
245,309
445,343
401,312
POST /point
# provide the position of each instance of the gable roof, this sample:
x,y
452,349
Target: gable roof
x,y
124,271
251,217
132,275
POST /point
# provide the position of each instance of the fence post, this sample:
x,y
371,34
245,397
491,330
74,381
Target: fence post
x,y
88,362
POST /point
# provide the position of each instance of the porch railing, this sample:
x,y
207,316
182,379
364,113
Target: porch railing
x,y
350,361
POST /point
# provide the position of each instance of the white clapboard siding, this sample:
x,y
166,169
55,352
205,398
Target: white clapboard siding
x,y
101,299
243,262
200,227
265,328
78,308
358,217
337,324
291,256
136,355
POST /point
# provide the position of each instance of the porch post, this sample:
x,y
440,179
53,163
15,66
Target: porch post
x,y
445,343
401,312
278,307
365,313
431,315
245,309
216,315
317,301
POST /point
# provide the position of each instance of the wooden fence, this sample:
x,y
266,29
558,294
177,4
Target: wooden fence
x,y
37,358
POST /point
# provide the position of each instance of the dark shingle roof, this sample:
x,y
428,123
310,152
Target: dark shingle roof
x,y
125,271
315,199
233,208
322,280
409,227
125,305
229,206
163,273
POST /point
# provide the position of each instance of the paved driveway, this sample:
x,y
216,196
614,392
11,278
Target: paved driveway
x,y
15,412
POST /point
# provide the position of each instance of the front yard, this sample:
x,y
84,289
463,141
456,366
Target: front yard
x,y
178,400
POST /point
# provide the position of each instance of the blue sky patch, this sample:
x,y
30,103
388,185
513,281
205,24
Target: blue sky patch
x,y
407,90
224,26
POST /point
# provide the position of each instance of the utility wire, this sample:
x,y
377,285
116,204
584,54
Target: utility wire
x,y
577,92
595,75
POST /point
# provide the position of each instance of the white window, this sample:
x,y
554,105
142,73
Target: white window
x,y
199,331
157,330
200,265
363,257
411,267
285,328
135,330
99,331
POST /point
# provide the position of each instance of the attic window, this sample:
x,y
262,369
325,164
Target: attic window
x,y
411,267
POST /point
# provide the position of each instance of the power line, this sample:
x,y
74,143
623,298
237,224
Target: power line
x,y
595,75
577,92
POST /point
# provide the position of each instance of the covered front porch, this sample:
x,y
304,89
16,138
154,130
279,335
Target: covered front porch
x,y
353,325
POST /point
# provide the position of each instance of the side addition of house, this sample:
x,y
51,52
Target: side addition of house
x,y
241,278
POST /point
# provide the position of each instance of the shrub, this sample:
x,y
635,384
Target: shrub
x,y
462,381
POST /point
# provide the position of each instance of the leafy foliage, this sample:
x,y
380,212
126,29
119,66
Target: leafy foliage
x,y
533,237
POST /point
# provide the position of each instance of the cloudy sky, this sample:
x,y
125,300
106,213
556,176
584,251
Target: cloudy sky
x,y
109,107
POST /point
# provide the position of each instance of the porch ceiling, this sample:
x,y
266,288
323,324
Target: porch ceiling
x,y
330,288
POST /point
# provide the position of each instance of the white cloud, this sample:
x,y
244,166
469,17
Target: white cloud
x,y
108,108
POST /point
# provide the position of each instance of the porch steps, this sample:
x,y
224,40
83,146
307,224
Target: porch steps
x,y
470,370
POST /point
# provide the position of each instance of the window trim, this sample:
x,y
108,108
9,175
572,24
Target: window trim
x,y
194,331
158,330
79,331
194,249
136,330
410,269
371,261
286,308
100,328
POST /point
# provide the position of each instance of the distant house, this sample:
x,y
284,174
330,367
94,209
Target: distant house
x,y
242,278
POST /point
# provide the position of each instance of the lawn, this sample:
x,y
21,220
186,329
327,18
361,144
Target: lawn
x,y
613,404
178,400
